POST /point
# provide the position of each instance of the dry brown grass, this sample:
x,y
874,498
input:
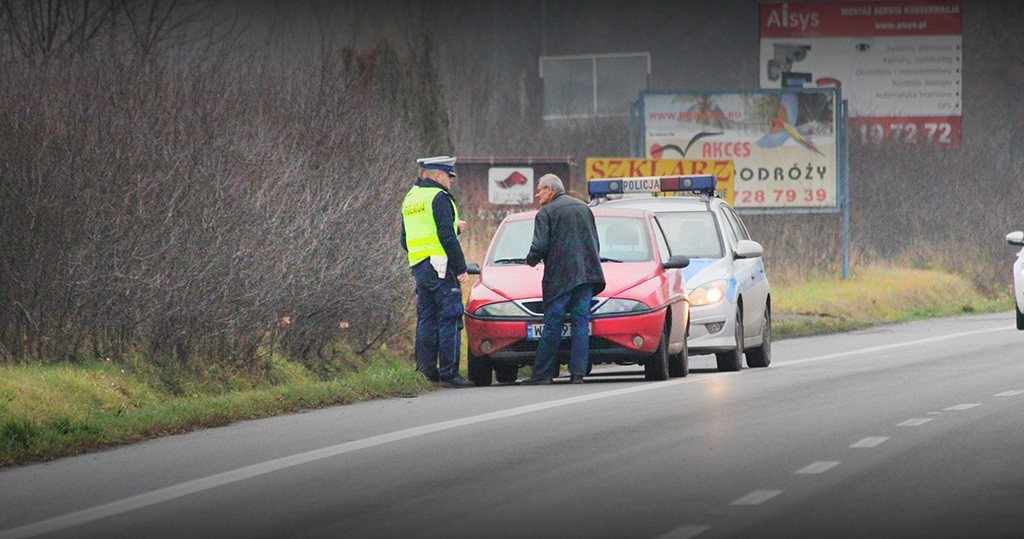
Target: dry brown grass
x,y
881,293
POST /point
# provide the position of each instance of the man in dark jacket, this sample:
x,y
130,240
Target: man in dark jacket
x,y
565,238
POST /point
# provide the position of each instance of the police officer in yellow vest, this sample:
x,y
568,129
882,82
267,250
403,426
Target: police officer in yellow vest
x,y
430,229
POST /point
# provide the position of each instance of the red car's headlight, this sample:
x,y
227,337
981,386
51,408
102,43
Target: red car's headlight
x,y
621,306
501,309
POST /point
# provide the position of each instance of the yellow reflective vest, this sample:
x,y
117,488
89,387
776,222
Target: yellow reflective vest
x,y
420,229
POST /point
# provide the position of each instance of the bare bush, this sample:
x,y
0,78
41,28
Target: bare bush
x,y
167,208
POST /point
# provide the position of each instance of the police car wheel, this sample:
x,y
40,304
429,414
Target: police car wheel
x,y
656,367
761,356
1020,319
479,370
506,374
733,359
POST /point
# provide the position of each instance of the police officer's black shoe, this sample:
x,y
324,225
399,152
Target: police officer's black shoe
x,y
457,382
575,378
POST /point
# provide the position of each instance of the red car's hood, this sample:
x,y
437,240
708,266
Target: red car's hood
x,y
521,282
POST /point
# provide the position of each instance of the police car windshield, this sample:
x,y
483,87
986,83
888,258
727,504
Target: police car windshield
x,y
622,239
693,234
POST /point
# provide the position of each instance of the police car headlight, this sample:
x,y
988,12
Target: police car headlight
x,y
503,308
620,306
708,293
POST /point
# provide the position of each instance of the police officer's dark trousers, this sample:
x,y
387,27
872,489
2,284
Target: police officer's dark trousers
x,y
438,322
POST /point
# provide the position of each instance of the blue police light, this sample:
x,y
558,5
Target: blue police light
x,y
699,183
599,188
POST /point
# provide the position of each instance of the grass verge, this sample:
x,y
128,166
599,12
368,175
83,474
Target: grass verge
x,y
873,296
48,411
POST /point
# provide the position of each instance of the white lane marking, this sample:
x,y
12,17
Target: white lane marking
x,y
934,413
818,467
685,532
916,422
233,476
959,407
757,497
894,346
870,441
1012,393
205,483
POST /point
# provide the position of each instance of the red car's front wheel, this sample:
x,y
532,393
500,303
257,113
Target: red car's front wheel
x,y
479,370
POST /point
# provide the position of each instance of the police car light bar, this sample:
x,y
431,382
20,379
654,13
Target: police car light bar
x,y
704,184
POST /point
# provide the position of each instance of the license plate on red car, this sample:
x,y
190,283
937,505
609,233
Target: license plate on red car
x,y
534,331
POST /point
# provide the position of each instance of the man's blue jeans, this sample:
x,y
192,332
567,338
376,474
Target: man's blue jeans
x,y
438,322
577,303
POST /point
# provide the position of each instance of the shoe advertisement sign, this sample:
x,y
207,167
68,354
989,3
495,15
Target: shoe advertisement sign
x,y
898,63
510,185
783,143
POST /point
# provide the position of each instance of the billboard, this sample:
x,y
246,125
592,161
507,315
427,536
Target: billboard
x,y
898,63
623,167
784,144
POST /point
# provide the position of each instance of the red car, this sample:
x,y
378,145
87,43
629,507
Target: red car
x,y
641,317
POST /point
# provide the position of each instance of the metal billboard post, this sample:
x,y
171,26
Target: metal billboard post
x,y
634,111
844,169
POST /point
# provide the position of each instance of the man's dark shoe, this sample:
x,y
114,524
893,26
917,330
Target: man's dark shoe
x,y
575,378
535,381
457,382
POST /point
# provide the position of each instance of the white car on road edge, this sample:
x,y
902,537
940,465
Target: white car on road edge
x,y
1017,239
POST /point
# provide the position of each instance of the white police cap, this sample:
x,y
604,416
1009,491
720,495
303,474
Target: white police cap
x,y
441,162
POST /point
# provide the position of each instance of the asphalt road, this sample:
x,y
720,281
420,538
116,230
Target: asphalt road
x,y
913,430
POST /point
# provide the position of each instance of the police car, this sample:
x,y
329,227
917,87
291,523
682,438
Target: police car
x,y
1017,239
640,317
726,282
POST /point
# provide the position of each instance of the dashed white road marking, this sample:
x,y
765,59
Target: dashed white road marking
x,y
1012,393
870,441
685,532
934,413
916,422
964,406
818,467
757,497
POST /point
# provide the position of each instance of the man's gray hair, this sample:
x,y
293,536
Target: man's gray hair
x,y
552,181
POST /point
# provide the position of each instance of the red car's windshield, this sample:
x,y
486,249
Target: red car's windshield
x,y
623,239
